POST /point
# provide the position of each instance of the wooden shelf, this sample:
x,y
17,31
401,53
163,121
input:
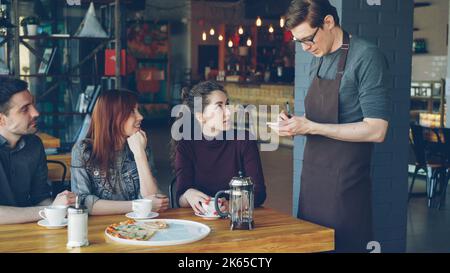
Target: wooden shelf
x,y
427,104
425,98
58,122
153,60
418,111
50,76
62,114
50,37
422,4
52,127
87,2
55,76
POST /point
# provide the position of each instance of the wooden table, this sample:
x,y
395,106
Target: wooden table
x,y
274,233
49,141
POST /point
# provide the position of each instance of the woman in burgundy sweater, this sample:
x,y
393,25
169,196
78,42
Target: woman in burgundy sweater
x,y
205,166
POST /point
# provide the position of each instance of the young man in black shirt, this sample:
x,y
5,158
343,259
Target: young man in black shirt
x,y
23,168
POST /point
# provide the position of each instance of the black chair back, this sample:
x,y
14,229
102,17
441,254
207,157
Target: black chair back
x,y
58,186
418,144
172,194
443,136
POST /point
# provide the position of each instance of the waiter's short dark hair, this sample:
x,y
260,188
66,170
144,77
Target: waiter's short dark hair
x,y
8,88
312,11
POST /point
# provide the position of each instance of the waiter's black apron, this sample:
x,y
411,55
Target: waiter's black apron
x,y
335,181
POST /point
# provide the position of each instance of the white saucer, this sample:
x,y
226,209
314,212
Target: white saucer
x,y
133,216
44,223
207,217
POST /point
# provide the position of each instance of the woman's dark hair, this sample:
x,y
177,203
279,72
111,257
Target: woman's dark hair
x,y
8,88
201,90
312,11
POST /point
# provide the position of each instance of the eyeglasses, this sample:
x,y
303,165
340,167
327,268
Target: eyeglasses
x,y
308,41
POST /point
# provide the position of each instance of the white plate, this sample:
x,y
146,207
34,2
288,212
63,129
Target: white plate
x,y
207,217
44,223
133,215
179,232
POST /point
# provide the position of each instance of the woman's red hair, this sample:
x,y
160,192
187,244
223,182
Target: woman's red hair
x,y
106,131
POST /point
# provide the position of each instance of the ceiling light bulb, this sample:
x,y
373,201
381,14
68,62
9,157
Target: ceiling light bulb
x,y
230,43
204,36
240,30
282,21
258,22
211,31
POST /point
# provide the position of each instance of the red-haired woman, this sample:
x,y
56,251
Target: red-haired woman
x,y
114,164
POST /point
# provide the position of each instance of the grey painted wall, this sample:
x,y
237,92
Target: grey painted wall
x,y
431,29
390,27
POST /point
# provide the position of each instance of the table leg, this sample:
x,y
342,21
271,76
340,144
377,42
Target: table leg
x,y
430,175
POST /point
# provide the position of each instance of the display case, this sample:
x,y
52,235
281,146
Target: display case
x,y
428,102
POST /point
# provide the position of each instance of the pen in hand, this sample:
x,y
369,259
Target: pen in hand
x,y
288,110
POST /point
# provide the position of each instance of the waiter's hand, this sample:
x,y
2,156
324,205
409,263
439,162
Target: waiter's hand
x,y
293,126
283,116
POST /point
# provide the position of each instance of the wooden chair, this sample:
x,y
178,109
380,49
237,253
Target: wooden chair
x,y
57,185
173,202
59,171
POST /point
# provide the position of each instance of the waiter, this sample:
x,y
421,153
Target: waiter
x,y
346,111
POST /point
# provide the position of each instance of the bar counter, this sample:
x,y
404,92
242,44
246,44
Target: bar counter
x,y
263,94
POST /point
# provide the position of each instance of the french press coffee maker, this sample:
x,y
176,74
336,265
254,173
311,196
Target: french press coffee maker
x,y
241,194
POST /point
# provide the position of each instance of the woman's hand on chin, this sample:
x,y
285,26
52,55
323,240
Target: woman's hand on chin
x,y
137,143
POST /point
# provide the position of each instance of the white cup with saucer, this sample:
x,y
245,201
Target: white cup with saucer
x,y
54,216
210,210
142,208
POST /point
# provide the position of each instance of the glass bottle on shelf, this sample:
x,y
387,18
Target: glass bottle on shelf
x,y
267,74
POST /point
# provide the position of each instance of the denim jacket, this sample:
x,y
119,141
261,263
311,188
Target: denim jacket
x,y
90,184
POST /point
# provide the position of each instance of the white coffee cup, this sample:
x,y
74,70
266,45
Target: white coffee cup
x,y
210,208
142,207
54,215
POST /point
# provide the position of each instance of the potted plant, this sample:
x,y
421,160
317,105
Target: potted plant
x,y
30,25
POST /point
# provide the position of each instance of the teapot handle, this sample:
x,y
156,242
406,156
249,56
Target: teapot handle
x,y
216,203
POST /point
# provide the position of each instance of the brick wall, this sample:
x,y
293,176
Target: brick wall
x,y
388,25
447,80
